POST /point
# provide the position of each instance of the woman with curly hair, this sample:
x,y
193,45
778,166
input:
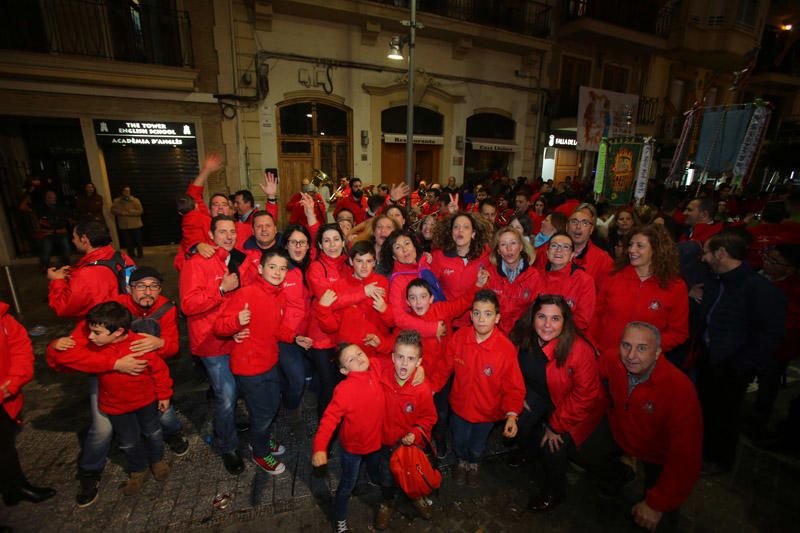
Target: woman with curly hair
x,y
512,276
460,249
623,223
645,286
425,233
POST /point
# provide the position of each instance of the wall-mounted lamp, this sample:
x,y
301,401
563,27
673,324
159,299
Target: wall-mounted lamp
x,y
396,48
786,27
460,143
364,138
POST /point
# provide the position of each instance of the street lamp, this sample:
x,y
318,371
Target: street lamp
x,y
396,53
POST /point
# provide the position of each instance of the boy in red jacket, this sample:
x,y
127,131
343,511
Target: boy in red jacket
x,y
409,412
131,401
487,386
253,316
358,402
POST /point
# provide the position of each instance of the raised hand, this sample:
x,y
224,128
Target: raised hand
x,y
452,207
398,191
308,203
212,163
270,185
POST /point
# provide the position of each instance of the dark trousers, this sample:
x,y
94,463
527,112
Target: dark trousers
x,y
441,400
554,463
351,465
140,437
262,395
58,243
328,375
469,438
721,389
769,383
133,241
11,475
291,359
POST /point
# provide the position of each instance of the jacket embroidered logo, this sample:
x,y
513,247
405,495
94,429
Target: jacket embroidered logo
x,y
649,407
488,370
408,407
571,303
655,305
448,271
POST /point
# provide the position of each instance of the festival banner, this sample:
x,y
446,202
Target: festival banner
x,y
599,174
604,114
643,173
751,143
621,162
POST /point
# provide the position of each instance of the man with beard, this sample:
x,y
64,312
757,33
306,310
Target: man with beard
x,y
354,201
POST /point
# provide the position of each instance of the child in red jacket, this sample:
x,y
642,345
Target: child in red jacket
x,y
253,316
410,412
358,402
487,386
131,401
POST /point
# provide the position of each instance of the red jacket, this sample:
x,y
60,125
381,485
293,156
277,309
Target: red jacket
x,y
297,213
702,232
201,301
258,353
298,301
87,286
359,209
596,262
457,276
118,393
577,287
575,391
323,274
352,323
244,228
436,372
407,407
16,360
488,383
767,235
659,422
195,226
358,402
168,322
516,297
401,276
624,298
791,288
568,207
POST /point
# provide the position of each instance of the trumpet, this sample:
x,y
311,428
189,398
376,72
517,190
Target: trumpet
x,y
320,179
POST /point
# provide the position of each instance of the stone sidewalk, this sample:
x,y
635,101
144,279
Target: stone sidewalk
x,y
760,495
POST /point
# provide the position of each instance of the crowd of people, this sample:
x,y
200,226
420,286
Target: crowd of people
x,y
617,338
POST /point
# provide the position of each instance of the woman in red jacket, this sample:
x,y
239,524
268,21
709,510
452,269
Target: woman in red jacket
x,y
562,276
563,400
16,369
460,248
512,275
646,286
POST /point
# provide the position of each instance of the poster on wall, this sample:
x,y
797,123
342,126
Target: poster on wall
x,y
604,114
622,159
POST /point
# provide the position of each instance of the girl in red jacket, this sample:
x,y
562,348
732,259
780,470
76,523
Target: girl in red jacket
x,y
460,248
512,276
16,369
563,401
562,276
645,287
487,386
253,316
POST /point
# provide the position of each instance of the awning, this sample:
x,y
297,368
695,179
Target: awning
x,y
492,145
418,139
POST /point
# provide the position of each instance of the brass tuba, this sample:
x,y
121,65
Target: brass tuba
x,y
320,179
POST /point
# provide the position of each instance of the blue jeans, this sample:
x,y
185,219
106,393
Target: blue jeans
x,y
469,439
262,394
351,464
224,385
140,437
291,359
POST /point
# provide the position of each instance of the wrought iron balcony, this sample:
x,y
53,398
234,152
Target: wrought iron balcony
x,y
111,29
641,15
649,109
519,16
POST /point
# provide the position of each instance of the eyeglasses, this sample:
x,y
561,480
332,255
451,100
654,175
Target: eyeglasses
x,y
297,244
142,287
576,222
564,247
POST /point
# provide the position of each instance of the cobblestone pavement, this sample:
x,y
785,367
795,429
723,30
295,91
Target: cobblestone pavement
x,y
760,495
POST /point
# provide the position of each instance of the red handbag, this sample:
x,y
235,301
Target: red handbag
x,y
412,470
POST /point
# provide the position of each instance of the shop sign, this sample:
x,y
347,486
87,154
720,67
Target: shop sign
x,y
418,139
144,133
559,140
493,147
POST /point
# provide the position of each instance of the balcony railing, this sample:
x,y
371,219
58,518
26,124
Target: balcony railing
x,y
520,16
640,15
648,110
109,29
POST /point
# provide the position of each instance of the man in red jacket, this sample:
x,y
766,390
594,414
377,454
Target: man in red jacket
x,y
354,200
16,369
699,215
595,261
73,290
204,282
654,415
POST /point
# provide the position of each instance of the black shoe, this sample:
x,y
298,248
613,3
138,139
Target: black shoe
x,y
233,462
29,493
516,458
178,444
88,493
241,427
543,504
441,448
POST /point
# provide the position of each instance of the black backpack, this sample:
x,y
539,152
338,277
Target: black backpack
x,y
151,324
121,271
